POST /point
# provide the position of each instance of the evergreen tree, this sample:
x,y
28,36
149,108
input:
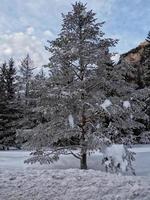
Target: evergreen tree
x,y
146,62
9,108
146,58
3,104
137,97
138,74
25,79
34,114
148,37
86,94
26,73
38,94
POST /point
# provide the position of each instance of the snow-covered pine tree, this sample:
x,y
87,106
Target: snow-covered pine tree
x,y
25,79
84,108
33,115
3,104
136,96
38,93
73,66
26,73
38,84
146,62
9,109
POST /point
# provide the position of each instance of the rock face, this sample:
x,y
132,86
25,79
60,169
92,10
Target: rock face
x,y
135,55
139,59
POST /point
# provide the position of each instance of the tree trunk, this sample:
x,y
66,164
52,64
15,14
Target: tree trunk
x,y
83,161
27,93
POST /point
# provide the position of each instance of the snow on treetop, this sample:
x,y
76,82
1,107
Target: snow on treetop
x,y
84,13
126,104
106,104
115,58
73,50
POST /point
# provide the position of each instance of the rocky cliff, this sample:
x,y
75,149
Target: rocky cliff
x,y
135,56
139,58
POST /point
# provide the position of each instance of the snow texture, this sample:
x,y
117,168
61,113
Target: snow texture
x,y
72,184
73,50
84,13
115,58
126,104
65,93
71,121
117,153
106,104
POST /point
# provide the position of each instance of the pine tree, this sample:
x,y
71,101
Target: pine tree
x,y
9,108
26,73
35,110
138,97
146,69
146,62
86,94
148,37
25,79
3,103
38,94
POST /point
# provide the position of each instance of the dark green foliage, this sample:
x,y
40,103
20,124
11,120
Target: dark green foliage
x,y
9,108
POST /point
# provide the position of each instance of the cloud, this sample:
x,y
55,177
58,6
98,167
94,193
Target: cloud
x,y
45,14
8,51
42,21
127,20
18,44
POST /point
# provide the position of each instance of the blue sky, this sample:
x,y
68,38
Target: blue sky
x,y
25,25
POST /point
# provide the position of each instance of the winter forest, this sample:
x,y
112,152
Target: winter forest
x,y
83,102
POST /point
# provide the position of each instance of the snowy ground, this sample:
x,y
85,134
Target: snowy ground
x,y
72,184
19,181
14,160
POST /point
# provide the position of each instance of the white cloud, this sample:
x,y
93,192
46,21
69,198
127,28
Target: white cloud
x,y
18,44
8,51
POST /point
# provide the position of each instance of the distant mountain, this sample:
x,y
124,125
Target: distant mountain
x,y
139,58
135,56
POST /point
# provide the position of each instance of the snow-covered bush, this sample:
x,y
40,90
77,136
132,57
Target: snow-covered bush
x,y
118,159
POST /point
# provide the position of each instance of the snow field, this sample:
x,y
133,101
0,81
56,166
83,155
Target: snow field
x,y
19,181
71,184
